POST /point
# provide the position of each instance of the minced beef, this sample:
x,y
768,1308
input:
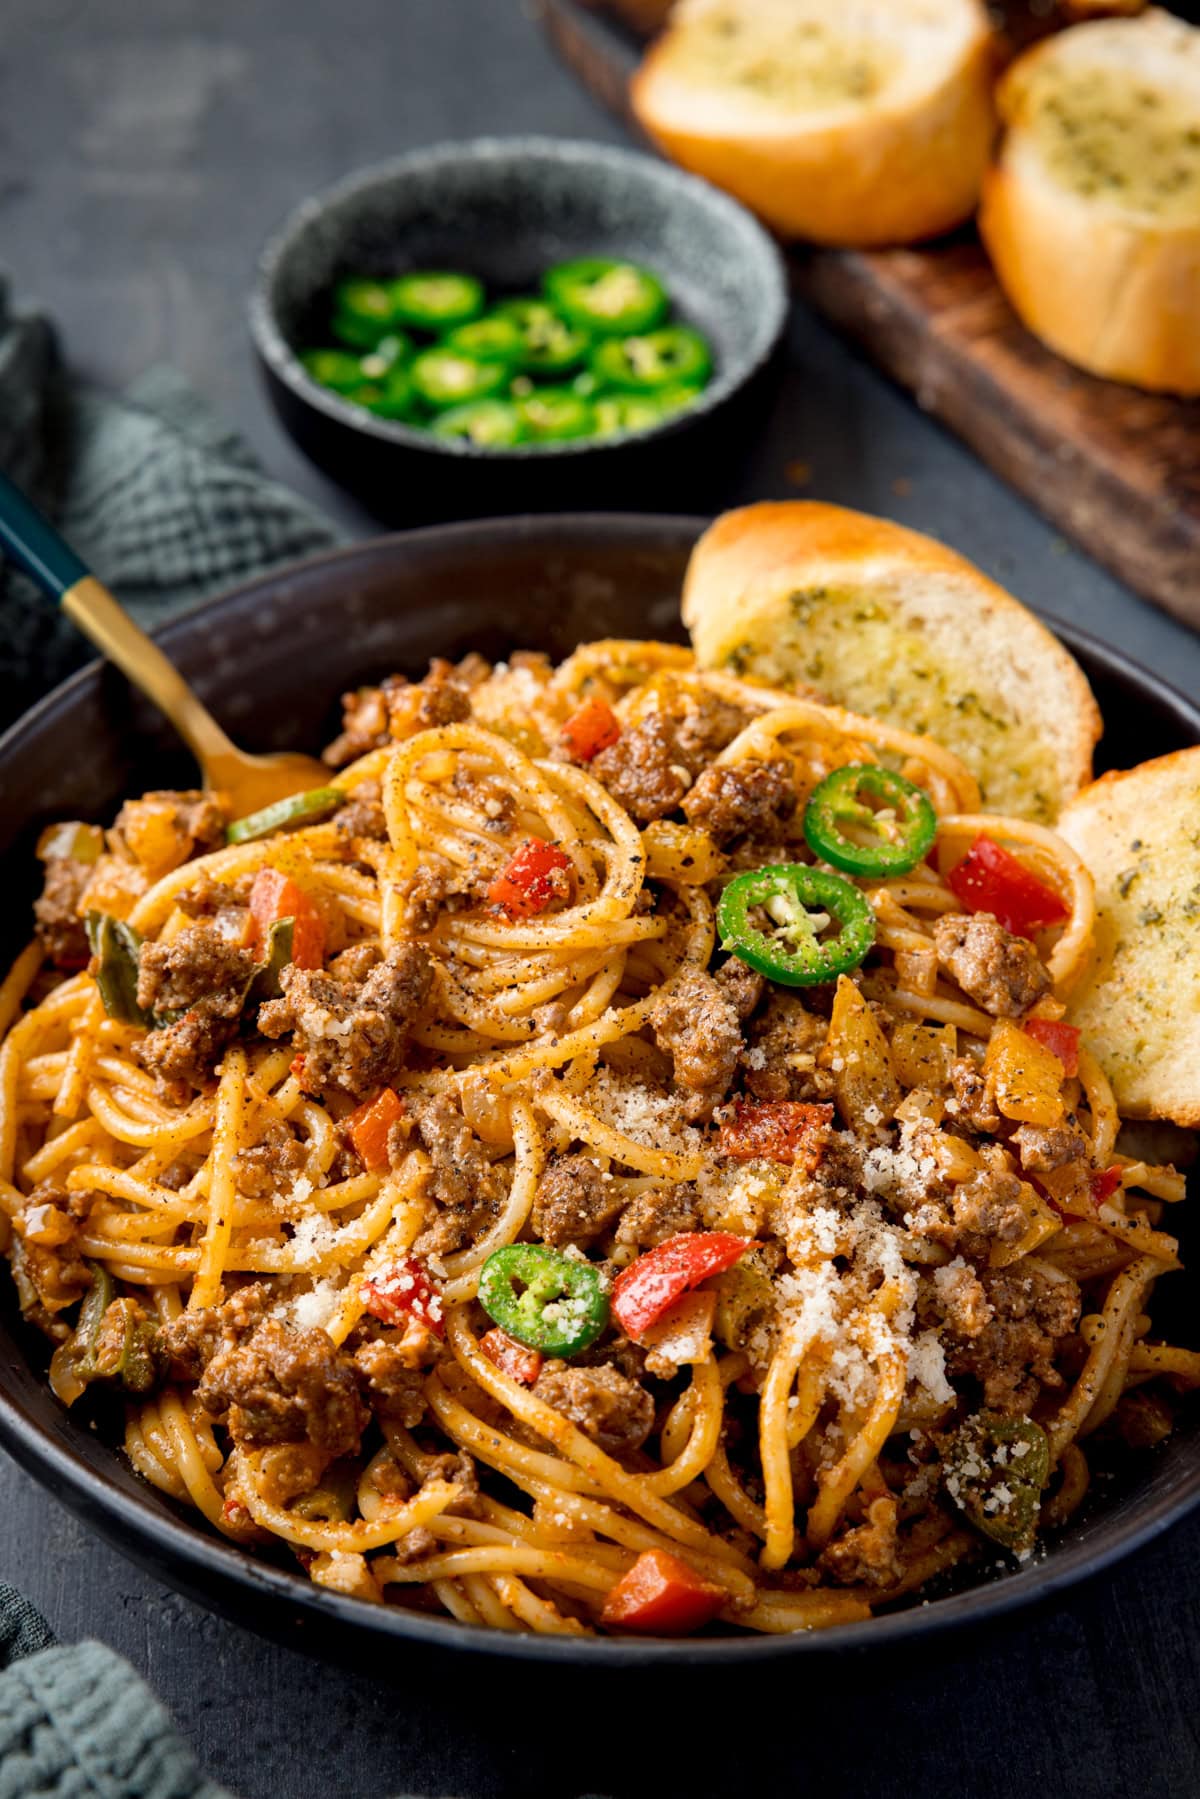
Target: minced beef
x,y
742,986
989,1206
614,1411
352,1034
866,1554
373,717
644,770
362,815
1001,972
573,1202
974,1108
1043,1149
279,1385
468,1190
1012,1357
389,1382
781,1062
747,799
267,1168
203,976
657,1214
190,1341
56,911
697,1023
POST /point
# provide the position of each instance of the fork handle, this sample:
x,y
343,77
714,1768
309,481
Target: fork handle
x,y
30,540
32,543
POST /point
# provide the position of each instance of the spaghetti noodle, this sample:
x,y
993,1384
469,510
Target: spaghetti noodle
x,y
826,1278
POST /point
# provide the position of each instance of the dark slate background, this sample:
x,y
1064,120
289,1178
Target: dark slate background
x,y
146,147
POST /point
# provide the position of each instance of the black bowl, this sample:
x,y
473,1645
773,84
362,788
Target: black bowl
x,y
506,209
351,616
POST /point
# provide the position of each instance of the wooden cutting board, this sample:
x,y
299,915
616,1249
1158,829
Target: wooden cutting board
x,y
1116,469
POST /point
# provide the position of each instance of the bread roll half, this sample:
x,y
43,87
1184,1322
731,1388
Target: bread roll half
x,y
1091,213
891,623
864,122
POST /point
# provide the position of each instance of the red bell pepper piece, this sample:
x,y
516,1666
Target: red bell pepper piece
x,y
369,1126
988,879
779,1128
533,878
662,1596
403,1292
593,728
1104,1183
1062,1040
512,1358
274,897
651,1285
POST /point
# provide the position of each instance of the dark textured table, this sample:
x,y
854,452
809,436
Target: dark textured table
x,y
146,147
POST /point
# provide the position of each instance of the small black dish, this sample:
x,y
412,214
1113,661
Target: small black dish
x,y
271,659
507,209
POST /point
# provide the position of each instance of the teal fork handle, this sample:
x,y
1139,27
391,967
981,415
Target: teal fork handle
x,y
31,542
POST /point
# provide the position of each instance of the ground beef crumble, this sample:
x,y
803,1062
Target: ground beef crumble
x,y
746,799
353,1033
697,1023
1002,972
203,976
573,1202
614,1411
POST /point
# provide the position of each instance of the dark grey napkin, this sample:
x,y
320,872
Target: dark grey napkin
x,y
162,502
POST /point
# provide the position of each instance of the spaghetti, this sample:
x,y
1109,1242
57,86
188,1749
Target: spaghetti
x,y
826,1278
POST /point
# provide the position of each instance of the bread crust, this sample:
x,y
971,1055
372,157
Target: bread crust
x,y
1139,1007
880,173
748,568
1111,290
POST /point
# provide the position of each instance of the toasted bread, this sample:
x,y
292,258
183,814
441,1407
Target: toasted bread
x,y
869,122
1091,212
886,621
1139,1008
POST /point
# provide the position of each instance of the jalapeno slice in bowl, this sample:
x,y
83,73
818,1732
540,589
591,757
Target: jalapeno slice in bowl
x,y
888,839
444,377
362,312
549,345
489,339
548,1301
674,356
391,350
339,370
492,424
556,415
607,297
394,397
436,299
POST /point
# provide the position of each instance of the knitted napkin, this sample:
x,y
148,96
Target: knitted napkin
x,y
165,504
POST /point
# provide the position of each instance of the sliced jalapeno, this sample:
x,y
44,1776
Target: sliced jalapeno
x,y
888,838
668,358
394,397
362,312
545,1299
802,903
606,297
489,339
340,370
556,415
489,423
388,353
298,809
640,412
994,1469
549,345
436,299
448,378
